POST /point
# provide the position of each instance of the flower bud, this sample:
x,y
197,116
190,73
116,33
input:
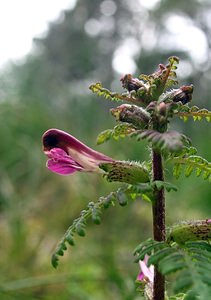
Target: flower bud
x,y
130,83
191,231
131,114
183,94
124,171
162,108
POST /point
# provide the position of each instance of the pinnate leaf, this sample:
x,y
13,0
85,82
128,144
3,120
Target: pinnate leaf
x,y
171,141
192,163
185,112
190,261
119,131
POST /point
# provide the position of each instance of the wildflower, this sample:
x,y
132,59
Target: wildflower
x,y
146,277
147,273
67,154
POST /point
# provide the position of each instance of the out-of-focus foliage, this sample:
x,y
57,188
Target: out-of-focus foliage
x,y
184,259
50,89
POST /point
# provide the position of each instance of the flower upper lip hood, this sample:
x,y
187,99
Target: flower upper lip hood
x,y
67,154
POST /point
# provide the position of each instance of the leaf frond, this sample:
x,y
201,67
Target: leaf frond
x,y
119,131
98,89
190,261
171,141
94,212
197,114
190,164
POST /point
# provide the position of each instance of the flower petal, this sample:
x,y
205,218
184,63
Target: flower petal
x,y
140,276
61,163
146,271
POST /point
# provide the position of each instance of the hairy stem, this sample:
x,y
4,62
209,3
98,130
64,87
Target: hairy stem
x,y
158,212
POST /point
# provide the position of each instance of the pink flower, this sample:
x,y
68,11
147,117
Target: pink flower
x,y
147,273
67,154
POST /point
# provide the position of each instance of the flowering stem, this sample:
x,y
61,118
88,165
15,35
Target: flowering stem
x,y
158,212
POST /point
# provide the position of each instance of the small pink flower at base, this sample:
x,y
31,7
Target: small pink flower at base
x,y
67,154
147,273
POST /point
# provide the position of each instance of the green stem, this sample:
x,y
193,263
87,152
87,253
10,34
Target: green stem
x,y
158,212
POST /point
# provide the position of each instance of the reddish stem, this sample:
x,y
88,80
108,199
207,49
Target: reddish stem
x,y
159,230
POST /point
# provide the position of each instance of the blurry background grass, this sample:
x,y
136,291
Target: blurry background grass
x,y
50,89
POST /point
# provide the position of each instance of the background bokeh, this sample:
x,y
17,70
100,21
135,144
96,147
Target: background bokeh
x,y
94,41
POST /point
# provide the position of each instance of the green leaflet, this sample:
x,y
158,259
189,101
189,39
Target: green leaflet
x,y
98,89
185,112
180,296
145,190
119,131
191,164
190,261
163,184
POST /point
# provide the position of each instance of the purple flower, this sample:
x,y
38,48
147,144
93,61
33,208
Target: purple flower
x,y
67,154
147,273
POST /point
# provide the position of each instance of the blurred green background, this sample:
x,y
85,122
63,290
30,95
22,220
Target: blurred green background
x,y
50,89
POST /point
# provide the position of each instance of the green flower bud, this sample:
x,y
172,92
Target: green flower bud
x,y
191,231
124,171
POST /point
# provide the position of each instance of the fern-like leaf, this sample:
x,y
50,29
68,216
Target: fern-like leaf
x,y
185,112
192,163
191,261
171,141
119,131
93,211
98,89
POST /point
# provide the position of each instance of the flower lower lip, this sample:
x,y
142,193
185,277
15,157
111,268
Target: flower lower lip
x,y
48,153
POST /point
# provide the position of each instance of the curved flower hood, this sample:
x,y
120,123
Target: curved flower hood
x,y
67,154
